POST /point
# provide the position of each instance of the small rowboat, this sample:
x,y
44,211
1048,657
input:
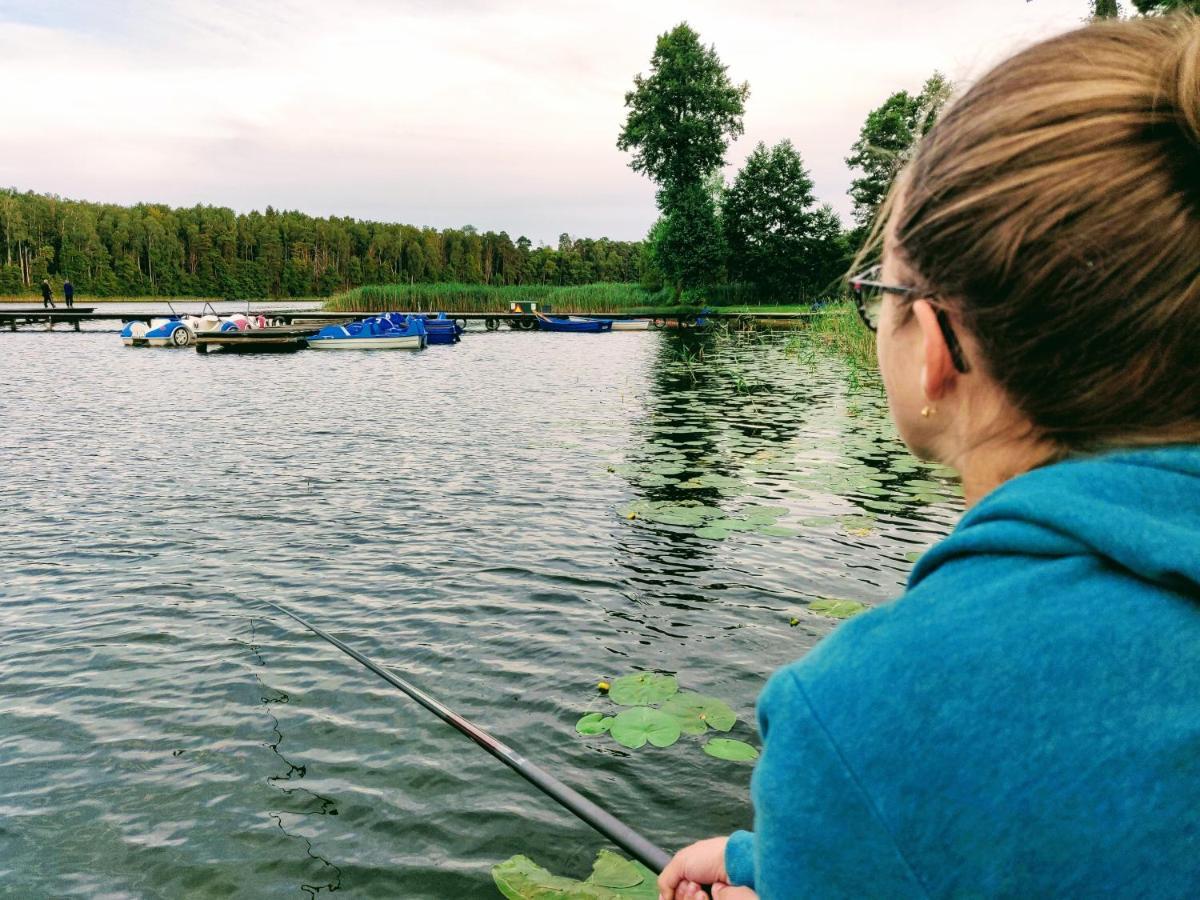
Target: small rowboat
x,y
631,325
589,326
375,333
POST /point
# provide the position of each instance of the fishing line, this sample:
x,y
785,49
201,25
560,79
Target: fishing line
x,y
604,822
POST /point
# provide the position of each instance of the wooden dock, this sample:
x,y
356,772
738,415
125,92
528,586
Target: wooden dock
x,y
14,317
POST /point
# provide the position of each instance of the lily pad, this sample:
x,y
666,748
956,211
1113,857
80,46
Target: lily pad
x,y
819,521
520,878
612,878
642,688
726,748
713,533
650,479
764,515
594,723
776,531
666,468
687,514
696,713
632,728
837,609
736,525
614,871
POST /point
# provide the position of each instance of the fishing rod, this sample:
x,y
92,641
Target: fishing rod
x,y
604,822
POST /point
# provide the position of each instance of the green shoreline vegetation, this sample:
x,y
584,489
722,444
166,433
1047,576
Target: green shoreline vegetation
x,y
838,327
835,323
593,298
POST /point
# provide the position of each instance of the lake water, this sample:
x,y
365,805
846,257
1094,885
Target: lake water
x,y
494,519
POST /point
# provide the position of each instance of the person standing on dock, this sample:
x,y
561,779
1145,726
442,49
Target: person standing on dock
x,y
47,296
69,293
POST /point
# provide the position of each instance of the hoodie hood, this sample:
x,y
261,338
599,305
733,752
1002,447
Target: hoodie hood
x,y
1139,510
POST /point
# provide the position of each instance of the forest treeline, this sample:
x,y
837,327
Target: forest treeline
x,y
206,251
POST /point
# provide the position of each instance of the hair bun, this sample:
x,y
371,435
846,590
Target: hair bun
x,y
1183,78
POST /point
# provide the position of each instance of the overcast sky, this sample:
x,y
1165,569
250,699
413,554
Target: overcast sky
x,y
503,115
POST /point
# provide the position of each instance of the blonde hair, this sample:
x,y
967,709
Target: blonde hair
x,y
1056,208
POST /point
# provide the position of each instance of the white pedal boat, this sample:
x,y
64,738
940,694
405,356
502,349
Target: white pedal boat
x,y
180,331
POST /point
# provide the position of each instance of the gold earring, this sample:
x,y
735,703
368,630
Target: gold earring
x,y
928,411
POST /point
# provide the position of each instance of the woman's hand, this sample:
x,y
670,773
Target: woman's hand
x,y
701,863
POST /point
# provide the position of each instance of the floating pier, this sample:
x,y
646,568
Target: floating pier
x,y
272,339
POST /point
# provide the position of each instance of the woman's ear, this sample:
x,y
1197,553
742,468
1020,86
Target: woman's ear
x,y
938,374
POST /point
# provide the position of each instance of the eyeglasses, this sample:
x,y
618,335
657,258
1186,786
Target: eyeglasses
x,y
868,293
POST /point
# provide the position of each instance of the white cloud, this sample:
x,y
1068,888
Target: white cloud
x,y
504,115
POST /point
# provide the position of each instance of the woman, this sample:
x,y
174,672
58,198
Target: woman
x,y
1025,720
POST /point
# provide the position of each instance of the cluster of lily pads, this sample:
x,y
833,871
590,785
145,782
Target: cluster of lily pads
x,y
658,713
708,521
613,878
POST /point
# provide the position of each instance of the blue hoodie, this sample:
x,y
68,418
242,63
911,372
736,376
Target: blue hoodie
x,y
1023,722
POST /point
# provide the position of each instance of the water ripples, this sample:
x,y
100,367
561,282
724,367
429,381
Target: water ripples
x,y
455,513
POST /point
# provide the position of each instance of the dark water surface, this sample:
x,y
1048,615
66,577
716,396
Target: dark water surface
x,y
461,513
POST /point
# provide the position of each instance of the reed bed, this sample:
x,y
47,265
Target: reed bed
x,y
484,298
838,326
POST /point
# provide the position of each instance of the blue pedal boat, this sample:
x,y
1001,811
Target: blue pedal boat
x,y
438,330
374,333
